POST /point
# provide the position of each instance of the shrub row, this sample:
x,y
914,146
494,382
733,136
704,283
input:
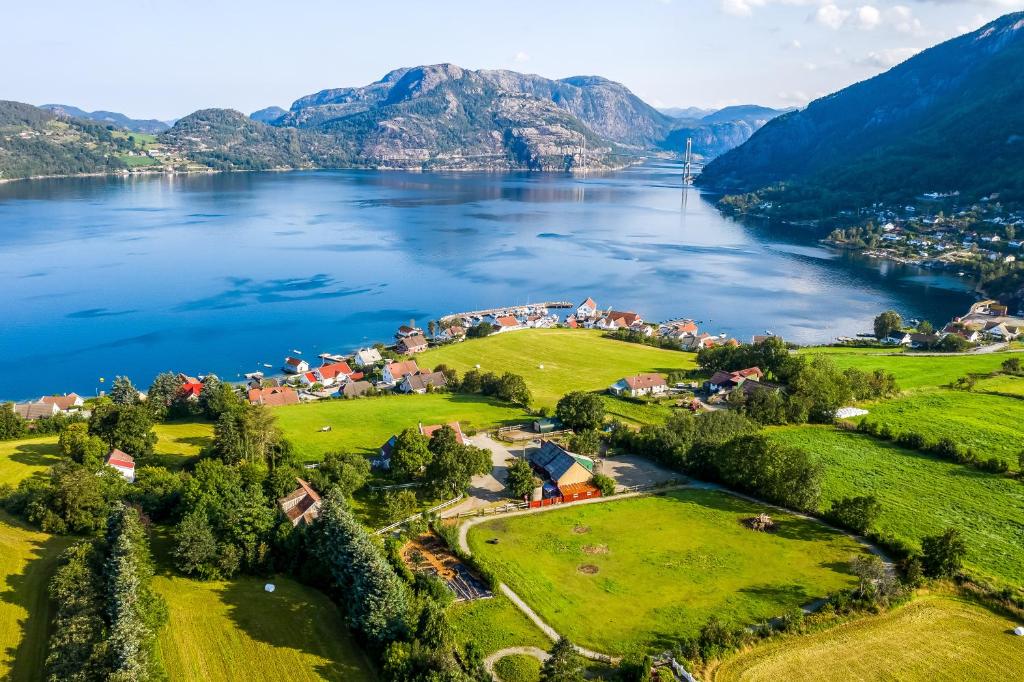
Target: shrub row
x,y
945,448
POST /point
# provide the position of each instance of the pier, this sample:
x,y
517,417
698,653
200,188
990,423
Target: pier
x,y
508,310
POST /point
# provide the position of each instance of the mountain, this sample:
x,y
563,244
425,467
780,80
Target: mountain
x,y
687,113
151,126
947,119
36,142
268,115
754,114
716,132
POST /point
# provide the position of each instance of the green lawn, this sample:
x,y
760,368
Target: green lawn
x,y
573,359
640,573
916,371
1003,384
639,414
228,631
931,639
990,424
180,442
922,495
494,624
518,668
20,459
364,424
138,161
27,561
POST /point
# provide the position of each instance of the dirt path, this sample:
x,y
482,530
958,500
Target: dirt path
x,y
491,660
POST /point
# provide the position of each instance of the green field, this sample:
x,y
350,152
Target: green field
x,y
518,668
138,161
27,561
364,424
20,459
917,371
922,495
178,443
638,413
573,359
989,424
235,631
640,573
1003,384
494,624
931,639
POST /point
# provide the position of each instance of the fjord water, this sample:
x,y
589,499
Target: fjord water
x,y
225,272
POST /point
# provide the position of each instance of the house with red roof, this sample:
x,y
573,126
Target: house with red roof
x,y
69,402
394,372
327,375
414,343
639,385
273,396
506,323
123,463
302,505
586,310
295,366
726,381
191,387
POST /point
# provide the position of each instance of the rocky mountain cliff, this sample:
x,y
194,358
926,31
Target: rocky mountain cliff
x,y
947,119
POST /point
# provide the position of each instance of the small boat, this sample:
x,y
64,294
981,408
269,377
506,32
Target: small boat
x,y
267,364
297,352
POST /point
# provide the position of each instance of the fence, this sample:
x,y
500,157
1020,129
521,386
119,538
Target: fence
x,y
396,486
396,524
488,511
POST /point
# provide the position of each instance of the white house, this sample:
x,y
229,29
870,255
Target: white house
x,y
897,339
506,323
366,357
295,365
123,463
586,310
396,371
453,333
69,402
640,384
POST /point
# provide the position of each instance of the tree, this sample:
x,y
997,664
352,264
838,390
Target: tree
x,y
769,469
766,406
453,465
520,480
125,427
606,484
856,513
512,388
886,323
479,331
1012,365
11,424
348,471
195,550
432,328
925,327
247,433
871,575
162,393
217,397
410,454
942,556
819,388
399,504
563,665
75,443
586,442
122,392
580,410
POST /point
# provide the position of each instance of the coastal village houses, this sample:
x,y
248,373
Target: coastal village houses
x,y
639,385
295,366
273,396
367,357
394,372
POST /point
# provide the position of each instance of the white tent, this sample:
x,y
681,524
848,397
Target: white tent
x,y
269,587
1019,631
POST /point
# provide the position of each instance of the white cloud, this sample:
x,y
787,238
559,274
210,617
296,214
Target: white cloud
x,y
831,16
521,57
865,17
902,19
792,45
886,59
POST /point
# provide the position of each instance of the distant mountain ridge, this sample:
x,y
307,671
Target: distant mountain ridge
x,y
949,118
114,118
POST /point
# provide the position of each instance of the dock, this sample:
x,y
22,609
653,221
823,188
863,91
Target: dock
x,y
508,310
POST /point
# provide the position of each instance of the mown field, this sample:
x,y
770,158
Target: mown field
x,y
236,632
178,443
20,459
518,668
28,559
640,573
494,624
573,359
917,371
990,424
364,424
922,495
931,639
1003,384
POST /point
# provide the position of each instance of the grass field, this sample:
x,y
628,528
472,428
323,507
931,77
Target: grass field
x,y
27,561
916,371
1004,384
573,359
20,459
235,631
518,668
922,495
931,639
180,442
637,413
990,424
640,573
364,424
138,161
494,624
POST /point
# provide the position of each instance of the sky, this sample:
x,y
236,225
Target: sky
x,y
160,59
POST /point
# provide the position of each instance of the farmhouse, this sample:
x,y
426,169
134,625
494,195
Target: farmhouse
x,y
302,505
566,475
274,396
414,343
68,402
33,411
638,385
726,381
295,366
366,357
420,383
123,463
394,372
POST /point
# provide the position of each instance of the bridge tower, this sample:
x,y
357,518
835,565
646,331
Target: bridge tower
x,y
688,162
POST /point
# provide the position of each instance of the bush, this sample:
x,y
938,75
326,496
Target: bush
x,y
855,513
603,483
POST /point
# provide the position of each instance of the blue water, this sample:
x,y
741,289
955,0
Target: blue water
x,y
222,273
